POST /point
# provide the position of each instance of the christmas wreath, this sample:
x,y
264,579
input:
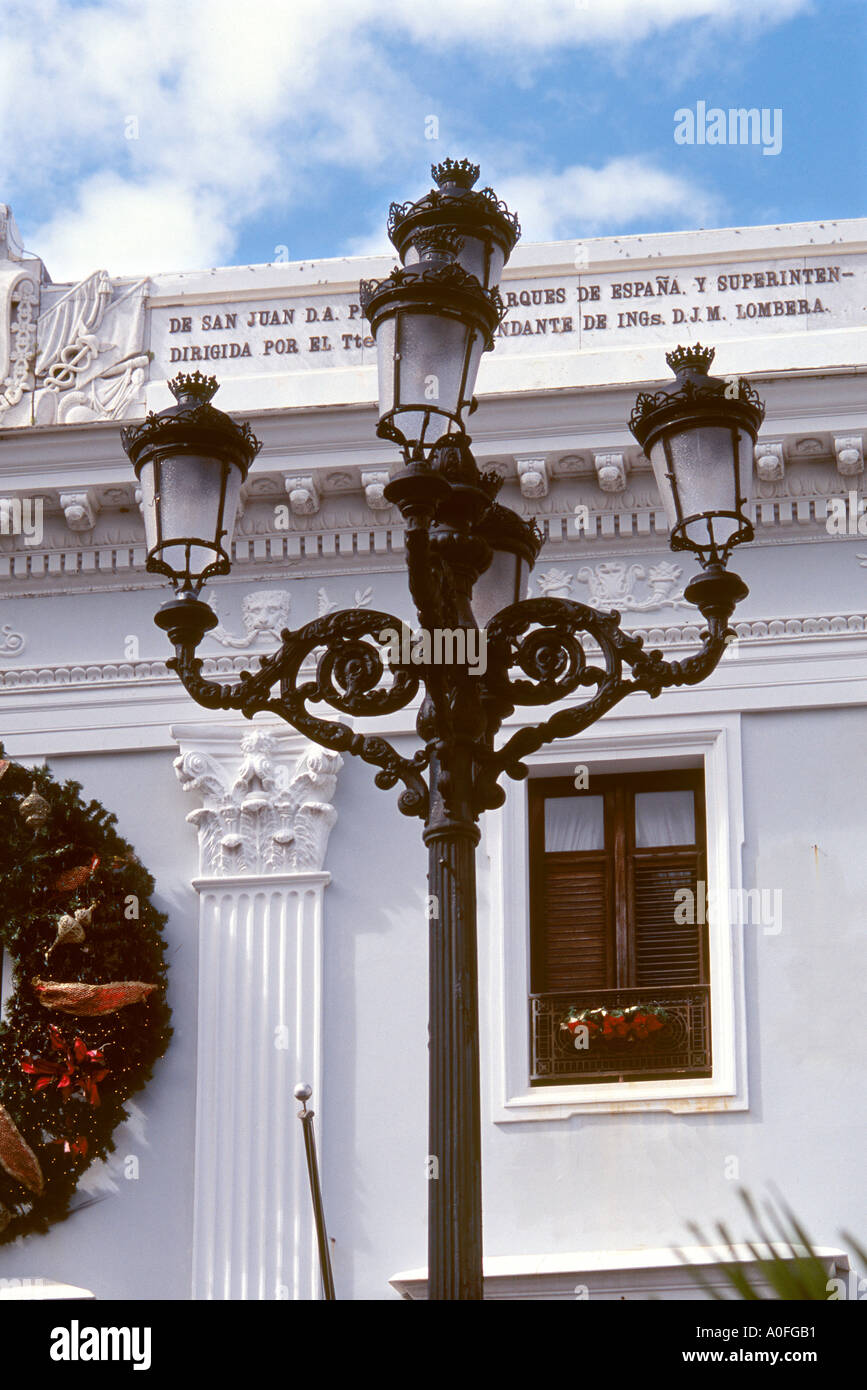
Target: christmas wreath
x,y
87,1018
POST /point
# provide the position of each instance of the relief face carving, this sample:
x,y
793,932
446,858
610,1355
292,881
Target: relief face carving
x,y
265,613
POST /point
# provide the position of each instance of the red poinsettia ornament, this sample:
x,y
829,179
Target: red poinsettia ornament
x,y
76,1069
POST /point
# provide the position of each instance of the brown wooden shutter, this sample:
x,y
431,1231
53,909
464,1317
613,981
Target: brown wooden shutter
x,y
605,919
574,944
666,952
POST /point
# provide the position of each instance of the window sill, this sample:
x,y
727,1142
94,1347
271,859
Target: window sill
x,y
619,1274
680,1095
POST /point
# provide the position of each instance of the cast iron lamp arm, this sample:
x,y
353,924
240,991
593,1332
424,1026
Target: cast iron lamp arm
x,y
346,678
554,657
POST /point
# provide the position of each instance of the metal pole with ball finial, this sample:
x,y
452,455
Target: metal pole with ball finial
x,y
303,1093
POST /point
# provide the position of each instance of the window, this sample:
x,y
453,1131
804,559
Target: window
x,y
619,953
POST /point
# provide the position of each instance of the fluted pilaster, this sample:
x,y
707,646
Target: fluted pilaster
x,y
263,830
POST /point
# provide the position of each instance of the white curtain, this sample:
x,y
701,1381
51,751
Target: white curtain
x,y
574,823
664,818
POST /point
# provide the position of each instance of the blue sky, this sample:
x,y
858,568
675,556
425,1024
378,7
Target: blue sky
x,y
164,135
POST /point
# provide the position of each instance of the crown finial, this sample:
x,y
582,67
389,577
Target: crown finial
x,y
694,356
438,241
193,386
461,172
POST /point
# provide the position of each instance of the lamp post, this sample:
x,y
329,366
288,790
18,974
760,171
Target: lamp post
x,y
468,560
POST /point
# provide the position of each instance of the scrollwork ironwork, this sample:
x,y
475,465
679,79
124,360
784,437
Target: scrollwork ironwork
x,y
348,677
553,656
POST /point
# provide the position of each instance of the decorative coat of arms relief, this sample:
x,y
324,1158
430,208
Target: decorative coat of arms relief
x,y
68,354
612,584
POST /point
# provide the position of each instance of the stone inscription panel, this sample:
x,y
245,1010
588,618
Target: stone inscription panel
x,y
316,329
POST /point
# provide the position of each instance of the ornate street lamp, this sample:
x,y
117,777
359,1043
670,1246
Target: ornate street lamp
x,y
190,460
432,322
699,434
468,559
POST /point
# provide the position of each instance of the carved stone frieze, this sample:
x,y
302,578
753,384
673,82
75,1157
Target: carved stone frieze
x,y
265,613
68,354
19,300
132,673
374,486
326,605
304,498
612,585
11,642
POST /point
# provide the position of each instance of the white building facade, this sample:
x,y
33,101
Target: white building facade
x,y
295,889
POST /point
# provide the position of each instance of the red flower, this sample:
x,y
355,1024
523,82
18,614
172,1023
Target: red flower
x,y
77,1068
614,1026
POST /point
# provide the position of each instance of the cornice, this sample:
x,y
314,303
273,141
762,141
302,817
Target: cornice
x,y
342,436
334,519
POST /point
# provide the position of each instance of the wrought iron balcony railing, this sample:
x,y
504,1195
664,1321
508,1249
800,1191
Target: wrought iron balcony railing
x,y
620,1034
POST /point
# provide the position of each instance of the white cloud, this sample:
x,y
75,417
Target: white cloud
x,y
246,106
551,23
372,243
581,201
135,229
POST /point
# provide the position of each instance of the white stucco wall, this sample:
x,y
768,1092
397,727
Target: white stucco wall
x,y
790,700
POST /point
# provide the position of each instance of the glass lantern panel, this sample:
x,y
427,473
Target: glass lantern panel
x,y
385,365
659,464
438,357
505,581
190,491
574,824
483,259
703,462
148,490
432,352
